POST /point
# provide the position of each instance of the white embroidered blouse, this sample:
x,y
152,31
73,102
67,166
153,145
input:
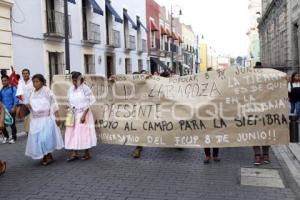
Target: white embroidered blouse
x,y
82,97
43,100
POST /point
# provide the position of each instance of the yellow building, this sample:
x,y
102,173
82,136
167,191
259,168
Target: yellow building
x,y
203,57
5,34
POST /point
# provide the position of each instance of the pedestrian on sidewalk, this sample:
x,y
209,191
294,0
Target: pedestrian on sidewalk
x,y
44,135
294,93
25,88
82,135
10,102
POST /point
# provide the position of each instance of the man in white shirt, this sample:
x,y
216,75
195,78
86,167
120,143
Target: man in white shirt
x,y
24,91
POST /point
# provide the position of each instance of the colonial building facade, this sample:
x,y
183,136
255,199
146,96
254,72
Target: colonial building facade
x,y
106,37
5,34
280,34
171,44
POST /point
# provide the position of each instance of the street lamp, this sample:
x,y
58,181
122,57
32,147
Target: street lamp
x,y
173,41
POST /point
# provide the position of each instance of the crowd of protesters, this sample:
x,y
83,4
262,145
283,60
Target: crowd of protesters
x,y
31,100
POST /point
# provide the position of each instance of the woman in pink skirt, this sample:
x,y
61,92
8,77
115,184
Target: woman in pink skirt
x,y
82,136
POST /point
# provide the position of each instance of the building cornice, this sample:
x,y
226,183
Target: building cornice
x,y
6,3
270,7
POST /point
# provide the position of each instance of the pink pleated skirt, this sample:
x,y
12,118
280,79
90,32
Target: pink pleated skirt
x,y
81,136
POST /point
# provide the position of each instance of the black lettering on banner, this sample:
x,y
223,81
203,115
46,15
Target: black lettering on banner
x,y
207,75
266,120
158,126
204,89
106,124
191,125
219,123
129,127
215,89
221,74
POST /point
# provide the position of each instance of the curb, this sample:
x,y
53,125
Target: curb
x,y
290,165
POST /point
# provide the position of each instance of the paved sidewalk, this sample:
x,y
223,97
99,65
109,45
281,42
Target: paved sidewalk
x,y
112,174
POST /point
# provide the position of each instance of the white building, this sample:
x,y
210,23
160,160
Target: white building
x,y
5,34
106,37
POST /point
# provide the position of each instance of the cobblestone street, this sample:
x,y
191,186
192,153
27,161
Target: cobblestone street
x,y
114,174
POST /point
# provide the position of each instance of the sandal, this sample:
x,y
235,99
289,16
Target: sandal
x,y
73,156
44,161
50,158
86,156
47,160
3,167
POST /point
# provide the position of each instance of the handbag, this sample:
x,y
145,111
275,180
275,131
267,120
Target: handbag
x,y
70,118
8,119
22,111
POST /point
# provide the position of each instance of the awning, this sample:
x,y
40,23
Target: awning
x,y
180,39
96,7
141,24
168,33
126,16
163,30
175,37
153,26
72,1
158,62
113,12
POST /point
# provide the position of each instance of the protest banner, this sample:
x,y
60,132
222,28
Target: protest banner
x,y
224,108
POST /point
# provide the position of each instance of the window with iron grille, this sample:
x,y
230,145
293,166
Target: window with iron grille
x,y
153,45
140,65
89,64
56,65
55,20
128,66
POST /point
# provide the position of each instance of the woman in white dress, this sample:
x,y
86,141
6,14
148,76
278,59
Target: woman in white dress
x,y
44,135
82,136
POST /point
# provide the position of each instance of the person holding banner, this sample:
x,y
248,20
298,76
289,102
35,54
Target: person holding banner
x,y
81,135
207,151
263,149
294,93
44,135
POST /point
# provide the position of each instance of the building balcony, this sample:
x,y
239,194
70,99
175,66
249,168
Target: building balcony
x,y
56,24
142,46
155,47
114,40
130,43
91,33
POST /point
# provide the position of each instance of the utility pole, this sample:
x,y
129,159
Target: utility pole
x,y
172,46
197,55
67,43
